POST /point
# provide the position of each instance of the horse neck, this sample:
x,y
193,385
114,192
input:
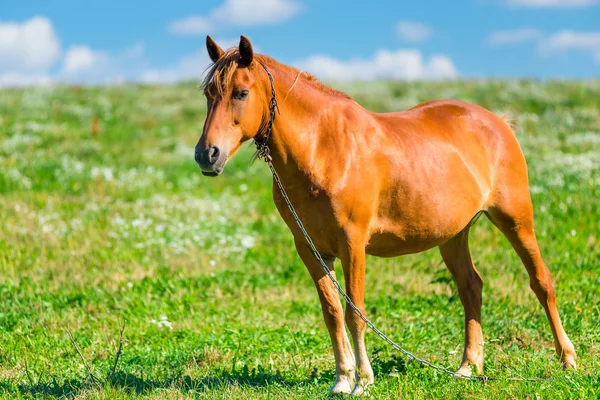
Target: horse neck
x,y
297,132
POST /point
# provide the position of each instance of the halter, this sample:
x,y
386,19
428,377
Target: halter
x,y
262,143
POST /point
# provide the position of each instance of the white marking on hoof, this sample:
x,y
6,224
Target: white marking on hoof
x,y
568,362
464,372
343,384
362,387
359,390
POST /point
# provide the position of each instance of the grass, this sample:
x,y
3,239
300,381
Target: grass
x,y
108,224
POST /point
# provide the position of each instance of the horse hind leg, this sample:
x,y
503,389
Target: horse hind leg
x,y
457,258
513,215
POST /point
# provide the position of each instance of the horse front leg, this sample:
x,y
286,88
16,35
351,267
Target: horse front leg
x,y
353,263
334,319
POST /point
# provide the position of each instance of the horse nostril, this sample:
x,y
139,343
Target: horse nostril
x,y
213,154
208,157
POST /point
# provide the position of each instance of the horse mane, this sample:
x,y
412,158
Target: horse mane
x,y
220,73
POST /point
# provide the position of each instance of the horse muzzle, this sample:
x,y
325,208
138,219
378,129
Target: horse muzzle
x,y
211,160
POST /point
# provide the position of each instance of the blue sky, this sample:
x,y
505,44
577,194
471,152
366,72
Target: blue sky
x,y
112,41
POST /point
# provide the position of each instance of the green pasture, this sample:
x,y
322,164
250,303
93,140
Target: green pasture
x,y
106,222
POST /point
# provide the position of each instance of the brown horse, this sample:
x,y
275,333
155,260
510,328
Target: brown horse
x,y
381,184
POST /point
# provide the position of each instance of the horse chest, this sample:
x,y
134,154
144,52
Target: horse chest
x,y
314,208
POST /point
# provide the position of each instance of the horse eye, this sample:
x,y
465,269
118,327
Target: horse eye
x,y
242,95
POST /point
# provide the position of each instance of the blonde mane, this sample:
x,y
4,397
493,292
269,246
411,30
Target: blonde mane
x,y
220,74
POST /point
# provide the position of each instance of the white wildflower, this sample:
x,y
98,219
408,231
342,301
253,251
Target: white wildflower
x,y
163,321
248,242
76,223
137,222
584,138
26,183
105,173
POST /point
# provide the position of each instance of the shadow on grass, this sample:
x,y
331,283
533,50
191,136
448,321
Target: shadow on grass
x,y
220,378
139,384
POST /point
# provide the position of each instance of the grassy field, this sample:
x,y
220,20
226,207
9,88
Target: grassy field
x,y
106,222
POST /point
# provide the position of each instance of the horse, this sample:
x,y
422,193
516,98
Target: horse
x,y
384,184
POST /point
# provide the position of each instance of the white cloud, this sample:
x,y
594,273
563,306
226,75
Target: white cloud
x,y
257,12
31,54
136,50
514,36
561,42
566,41
191,66
413,31
79,59
31,45
193,25
552,3
241,13
16,79
399,64
188,67
83,65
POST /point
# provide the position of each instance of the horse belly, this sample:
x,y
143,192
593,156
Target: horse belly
x,y
390,244
419,217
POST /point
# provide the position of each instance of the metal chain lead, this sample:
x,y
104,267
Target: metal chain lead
x,y
263,153
262,145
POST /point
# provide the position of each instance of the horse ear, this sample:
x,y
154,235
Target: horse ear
x,y
214,51
246,52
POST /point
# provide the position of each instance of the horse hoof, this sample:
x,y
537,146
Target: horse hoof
x,y
464,372
361,388
341,386
568,362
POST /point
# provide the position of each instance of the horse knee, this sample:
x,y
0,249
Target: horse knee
x,y
332,311
353,320
543,288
